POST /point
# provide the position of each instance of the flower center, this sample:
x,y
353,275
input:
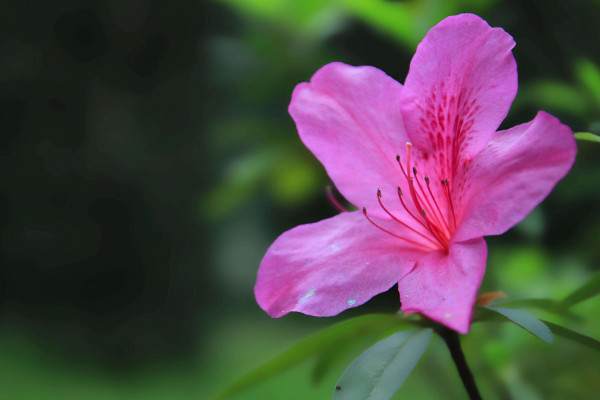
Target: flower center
x,y
432,226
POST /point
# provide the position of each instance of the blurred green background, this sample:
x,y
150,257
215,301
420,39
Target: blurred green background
x,y
148,161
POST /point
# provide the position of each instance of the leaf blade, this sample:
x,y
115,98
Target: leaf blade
x,y
526,321
589,289
572,335
380,371
587,136
311,346
541,303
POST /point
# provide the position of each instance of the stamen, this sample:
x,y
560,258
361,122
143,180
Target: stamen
x,y
435,219
432,219
379,195
437,206
434,230
414,194
411,186
334,202
400,195
391,233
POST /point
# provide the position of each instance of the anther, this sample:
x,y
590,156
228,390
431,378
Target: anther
x,y
378,192
415,171
427,180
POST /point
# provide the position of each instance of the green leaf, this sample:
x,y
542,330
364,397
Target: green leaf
x,y
542,304
590,137
590,289
380,371
589,76
556,96
348,349
526,321
318,343
574,336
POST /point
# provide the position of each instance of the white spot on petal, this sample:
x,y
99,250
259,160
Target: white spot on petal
x,y
307,295
351,302
334,248
447,315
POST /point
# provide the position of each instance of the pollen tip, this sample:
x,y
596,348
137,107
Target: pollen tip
x,y
423,212
415,170
365,210
378,192
398,157
427,180
399,191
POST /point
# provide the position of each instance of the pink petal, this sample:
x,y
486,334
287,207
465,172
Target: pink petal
x,y
327,267
513,174
443,286
348,117
461,83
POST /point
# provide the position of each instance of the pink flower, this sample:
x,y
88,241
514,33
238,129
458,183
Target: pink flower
x,y
433,175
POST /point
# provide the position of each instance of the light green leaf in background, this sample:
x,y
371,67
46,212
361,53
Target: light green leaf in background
x,y
588,74
590,137
590,289
554,96
380,371
314,345
526,321
407,22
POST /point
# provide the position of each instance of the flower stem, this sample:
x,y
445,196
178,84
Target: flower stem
x,y
453,342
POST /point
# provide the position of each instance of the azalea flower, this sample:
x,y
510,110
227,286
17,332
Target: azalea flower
x,y
426,169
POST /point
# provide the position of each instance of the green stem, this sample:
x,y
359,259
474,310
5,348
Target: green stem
x,y
453,342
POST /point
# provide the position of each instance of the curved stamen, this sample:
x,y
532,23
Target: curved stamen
x,y
437,205
409,180
334,202
400,195
399,221
391,233
434,219
434,230
411,187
